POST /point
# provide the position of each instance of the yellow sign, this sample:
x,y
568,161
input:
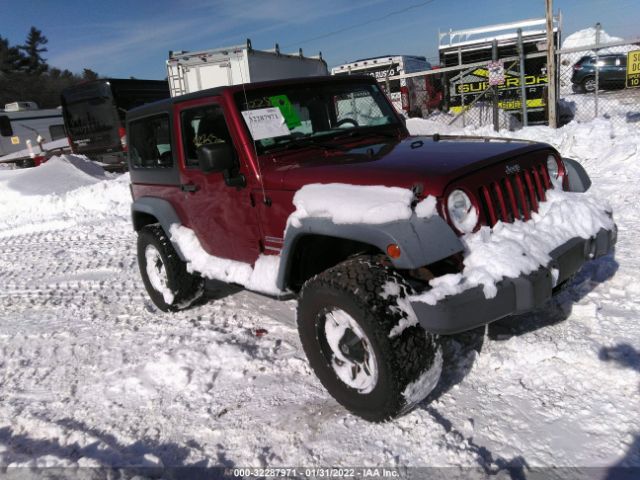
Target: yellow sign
x,y
510,82
15,140
633,69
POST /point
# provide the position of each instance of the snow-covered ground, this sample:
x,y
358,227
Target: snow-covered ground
x,y
93,374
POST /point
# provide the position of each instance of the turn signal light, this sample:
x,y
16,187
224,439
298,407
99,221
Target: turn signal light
x,y
393,250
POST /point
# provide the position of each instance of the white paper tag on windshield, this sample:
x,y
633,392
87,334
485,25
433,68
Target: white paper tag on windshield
x,y
266,123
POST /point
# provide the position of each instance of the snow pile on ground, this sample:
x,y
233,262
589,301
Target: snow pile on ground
x,y
94,375
57,176
513,249
343,203
67,188
261,277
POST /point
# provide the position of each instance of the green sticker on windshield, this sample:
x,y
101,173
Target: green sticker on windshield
x,y
286,108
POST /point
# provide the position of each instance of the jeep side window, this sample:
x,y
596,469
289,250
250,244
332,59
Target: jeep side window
x,y
201,126
151,142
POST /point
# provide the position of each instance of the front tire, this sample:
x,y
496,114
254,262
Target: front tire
x,y
164,275
363,342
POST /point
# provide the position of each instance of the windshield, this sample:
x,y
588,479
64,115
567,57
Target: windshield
x,y
286,115
95,115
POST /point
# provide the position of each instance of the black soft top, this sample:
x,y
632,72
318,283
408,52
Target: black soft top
x,y
164,105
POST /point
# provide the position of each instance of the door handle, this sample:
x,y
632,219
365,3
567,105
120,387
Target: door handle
x,y
189,187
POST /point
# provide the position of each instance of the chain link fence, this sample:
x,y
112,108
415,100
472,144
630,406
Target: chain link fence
x,y
471,100
601,80
598,81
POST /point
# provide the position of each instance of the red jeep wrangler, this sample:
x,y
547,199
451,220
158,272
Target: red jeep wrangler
x,y
313,187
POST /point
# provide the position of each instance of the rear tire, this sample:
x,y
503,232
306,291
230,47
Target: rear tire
x,y
164,275
350,321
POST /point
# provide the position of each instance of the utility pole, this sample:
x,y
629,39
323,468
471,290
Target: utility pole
x,y
551,67
496,117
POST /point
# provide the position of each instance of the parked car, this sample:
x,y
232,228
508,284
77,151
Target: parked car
x,y
313,187
612,70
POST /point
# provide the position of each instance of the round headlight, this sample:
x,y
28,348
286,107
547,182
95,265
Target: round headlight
x,y
553,167
462,213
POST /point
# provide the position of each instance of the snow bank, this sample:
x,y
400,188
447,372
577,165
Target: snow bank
x,y
342,203
66,188
58,175
261,277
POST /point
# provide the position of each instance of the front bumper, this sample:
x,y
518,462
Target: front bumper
x,y
470,309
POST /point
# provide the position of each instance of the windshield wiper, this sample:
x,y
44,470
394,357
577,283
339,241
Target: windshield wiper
x,y
356,132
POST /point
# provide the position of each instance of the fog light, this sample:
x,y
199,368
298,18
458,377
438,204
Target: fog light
x,y
393,250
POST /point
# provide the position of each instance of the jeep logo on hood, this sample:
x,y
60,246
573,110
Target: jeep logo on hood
x,y
511,169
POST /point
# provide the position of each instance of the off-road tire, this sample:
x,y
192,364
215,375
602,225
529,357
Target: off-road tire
x,y
186,287
357,286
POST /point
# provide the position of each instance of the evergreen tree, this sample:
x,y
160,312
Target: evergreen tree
x,y
88,74
33,49
11,59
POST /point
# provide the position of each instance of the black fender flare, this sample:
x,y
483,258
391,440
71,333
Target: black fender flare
x,y
162,210
422,241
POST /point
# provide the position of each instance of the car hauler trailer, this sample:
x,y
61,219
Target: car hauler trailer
x,y
413,96
24,121
189,72
462,47
94,115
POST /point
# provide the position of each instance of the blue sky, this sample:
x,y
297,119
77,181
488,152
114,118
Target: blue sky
x,y
132,38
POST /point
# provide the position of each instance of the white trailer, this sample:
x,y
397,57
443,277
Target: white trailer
x,y
189,72
23,124
409,95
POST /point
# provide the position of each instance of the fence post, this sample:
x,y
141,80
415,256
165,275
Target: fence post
x,y
551,68
598,28
496,118
523,90
461,89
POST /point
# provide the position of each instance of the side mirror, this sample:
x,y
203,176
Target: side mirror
x,y
216,157
5,126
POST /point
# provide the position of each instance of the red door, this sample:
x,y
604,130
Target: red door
x,y
221,216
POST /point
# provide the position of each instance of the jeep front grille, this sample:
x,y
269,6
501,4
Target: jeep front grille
x,y
515,197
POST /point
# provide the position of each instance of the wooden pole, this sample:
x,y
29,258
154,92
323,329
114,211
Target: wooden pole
x,y
551,67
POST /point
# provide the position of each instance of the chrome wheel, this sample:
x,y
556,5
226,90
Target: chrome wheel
x,y
349,351
590,85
